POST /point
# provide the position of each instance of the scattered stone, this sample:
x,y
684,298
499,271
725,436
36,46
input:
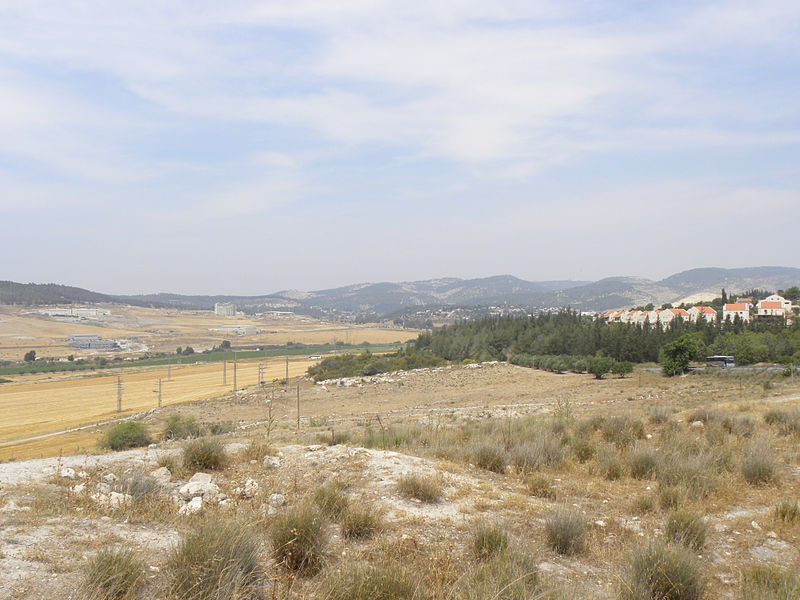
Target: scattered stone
x,y
600,523
109,478
272,462
79,489
11,506
315,447
234,447
250,488
103,488
194,506
276,500
697,425
68,473
755,525
195,489
201,478
152,446
772,534
161,475
763,553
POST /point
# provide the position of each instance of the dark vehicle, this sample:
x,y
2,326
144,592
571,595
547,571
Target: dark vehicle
x,y
720,361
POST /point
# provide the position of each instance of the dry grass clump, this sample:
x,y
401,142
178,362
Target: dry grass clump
x,y
609,465
642,462
541,486
488,540
128,434
112,575
662,571
218,560
544,449
170,462
659,414
257,449
360,522
331,499
420,487
758,463
704,415
204,454
740,426
766,582
688,528
382,581
643,504
508,575
489,456
139,485
787,420
565,530
179,427
298,538
787,511
583,449
622,431
671,497
691,463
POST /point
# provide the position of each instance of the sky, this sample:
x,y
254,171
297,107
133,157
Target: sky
x,y
248,147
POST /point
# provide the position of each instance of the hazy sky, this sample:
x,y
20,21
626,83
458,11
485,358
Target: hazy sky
x,y
246,147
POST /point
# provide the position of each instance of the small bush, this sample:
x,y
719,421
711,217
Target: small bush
x,y
298,539
541,486
741,426
541,451
112,575
642,463
488,540
644,504
179,427
170,462
705,415
758,463
508,575
766,582
139,485
622,431
203,454
218,560
359,521
671,497
659,414
788,421
420,487
583,449
610,466
128,434
787,511
491,457
687,528
331,500
565,530
221,427
663,572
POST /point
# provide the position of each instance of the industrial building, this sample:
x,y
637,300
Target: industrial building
x,y
225,309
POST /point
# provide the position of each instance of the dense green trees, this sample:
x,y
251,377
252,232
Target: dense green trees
x,y
568,333
676,355
30,356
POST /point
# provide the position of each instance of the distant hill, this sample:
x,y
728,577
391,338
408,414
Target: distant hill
x,y
46,293
389,298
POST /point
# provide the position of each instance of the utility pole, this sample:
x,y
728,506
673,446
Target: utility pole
x,y
169,370
287,371
159,392
224,372
234,371
119,394
298,408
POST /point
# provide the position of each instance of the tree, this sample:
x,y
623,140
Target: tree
x,y
622,368
71,357
793,293
178,350
599,366
30,356
675,356
225,345
188,350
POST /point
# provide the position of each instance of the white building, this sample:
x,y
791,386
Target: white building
x,y
774,300
224,309
740,309
706,312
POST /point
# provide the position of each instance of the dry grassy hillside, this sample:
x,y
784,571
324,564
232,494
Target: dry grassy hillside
x,y
465,483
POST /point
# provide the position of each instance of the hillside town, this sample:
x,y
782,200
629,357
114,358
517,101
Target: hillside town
x,y
745,309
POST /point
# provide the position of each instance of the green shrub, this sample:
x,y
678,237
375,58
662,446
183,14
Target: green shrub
x,y
359,521
203,454
758,463
642,463
331,499
541,486
787,511
565,530
112,575
217,560
491,457
583,449
766,582
298,538
488,540
663,572
687,528
420,487
221,427
128,434
179,427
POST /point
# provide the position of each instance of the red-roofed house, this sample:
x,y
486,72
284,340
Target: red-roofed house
x,y
731,311
708,313
665,317
771,309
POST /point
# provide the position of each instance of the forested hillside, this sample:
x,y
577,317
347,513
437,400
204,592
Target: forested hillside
x,y
29,294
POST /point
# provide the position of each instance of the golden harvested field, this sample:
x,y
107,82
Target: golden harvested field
x,y
162,330
34,408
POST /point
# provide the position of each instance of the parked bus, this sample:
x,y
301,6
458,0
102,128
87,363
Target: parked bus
x,y
720,361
